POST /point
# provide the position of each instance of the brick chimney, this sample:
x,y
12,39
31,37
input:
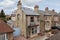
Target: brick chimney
x,y
36,8
46,9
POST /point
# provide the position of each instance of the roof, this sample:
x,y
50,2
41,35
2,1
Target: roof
x,y
13,15
29,11
10,21
53,13
55,37
59,14
45,13
5,28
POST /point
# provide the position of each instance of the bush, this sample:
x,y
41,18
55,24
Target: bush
x,y
47,31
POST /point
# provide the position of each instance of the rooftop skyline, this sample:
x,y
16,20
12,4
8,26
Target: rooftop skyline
x,y
10,5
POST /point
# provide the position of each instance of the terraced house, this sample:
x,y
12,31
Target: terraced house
x,y
32,22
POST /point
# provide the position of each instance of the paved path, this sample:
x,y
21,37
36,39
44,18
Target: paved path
x,y
40,38
19,38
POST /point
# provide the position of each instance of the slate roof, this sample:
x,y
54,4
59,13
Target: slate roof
x,y
59,14
45,13
13,15
53,13
55,37
5,28
29,11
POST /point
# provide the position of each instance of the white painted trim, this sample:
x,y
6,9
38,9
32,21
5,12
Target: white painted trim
x,y
6,37
38,29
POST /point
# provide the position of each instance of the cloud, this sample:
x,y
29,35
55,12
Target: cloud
x,y
31,2
7,4
11,5
29,7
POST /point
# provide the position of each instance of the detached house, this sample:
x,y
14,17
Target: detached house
x,y
28,21
6,32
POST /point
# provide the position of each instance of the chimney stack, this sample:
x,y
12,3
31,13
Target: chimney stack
x,y
53,10
36,8
46,9
19,5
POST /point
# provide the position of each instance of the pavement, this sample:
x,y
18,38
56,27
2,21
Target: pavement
x,y
20,38
36,38
46,36
40,38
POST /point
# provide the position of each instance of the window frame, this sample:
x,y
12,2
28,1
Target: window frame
x,y
31,19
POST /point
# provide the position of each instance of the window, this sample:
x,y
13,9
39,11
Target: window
x,y
56,19
32,19
3,37
18,16
47,17
34,30
6,37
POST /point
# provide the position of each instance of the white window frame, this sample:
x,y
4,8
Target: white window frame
x,y
4,36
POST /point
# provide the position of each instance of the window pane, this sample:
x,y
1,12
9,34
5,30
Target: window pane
x,y
32,19
32,30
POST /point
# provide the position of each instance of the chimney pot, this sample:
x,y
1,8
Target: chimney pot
x,y
36,6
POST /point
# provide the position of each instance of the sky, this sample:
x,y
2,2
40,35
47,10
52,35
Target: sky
x,y
10,5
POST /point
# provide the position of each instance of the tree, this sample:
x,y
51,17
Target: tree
x,y
2,15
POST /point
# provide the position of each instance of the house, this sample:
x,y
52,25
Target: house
x,y
54,17
45,18
6,32
32,22
48,17
28,21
